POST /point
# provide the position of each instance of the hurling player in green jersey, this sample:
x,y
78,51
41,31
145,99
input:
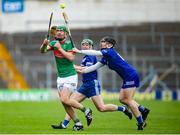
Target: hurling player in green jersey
x,y
67,76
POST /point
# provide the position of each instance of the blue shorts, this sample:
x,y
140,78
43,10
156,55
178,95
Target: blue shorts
x,y
90,88
132,82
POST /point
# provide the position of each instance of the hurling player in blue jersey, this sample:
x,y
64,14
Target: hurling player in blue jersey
x,y
90,88
130,77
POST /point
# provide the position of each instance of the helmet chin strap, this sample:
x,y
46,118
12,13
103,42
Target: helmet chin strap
x,y
60,39
109,45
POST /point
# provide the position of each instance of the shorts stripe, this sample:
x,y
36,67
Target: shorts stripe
x,y
96,87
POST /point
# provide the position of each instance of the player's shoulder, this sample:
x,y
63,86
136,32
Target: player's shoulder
x,y
53,42
106,51
68,42
91,57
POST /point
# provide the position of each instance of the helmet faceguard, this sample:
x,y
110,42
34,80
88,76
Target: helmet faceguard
x,y
88,41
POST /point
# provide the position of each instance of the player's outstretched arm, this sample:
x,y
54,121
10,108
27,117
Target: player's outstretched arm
x,y
79,68
88,52
92,52
92,68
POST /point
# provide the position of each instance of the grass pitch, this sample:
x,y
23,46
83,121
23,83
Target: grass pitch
x,y
36,118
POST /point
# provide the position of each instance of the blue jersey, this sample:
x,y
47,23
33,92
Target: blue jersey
x,y
87,61
115,62
90,86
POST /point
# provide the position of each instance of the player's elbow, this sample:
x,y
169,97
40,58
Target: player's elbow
x,y
71,59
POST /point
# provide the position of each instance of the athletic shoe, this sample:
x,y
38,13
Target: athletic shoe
x,y
88,115
60,126
77,127
128,113
145,113
141,126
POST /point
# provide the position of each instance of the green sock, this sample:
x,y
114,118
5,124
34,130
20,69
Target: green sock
x,y
76,120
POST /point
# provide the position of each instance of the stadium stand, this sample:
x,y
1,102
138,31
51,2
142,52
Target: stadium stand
x,y
142,45
9,73
2,84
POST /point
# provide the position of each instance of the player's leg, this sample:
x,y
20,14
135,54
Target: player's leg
x,y
78,97
66,87
70,111
99,103
77,124
84,93
93,90
63,124
65,98
126,97
144,111
69,84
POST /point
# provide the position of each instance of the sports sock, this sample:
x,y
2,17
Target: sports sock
x,y
76,120
65,122
78,123
121,108
139,119
141,108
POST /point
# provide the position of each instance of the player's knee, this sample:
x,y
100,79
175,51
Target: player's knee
x,y
65,100
100,108
121,100
124,101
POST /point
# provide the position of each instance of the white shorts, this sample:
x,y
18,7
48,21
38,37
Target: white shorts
x,y
69,82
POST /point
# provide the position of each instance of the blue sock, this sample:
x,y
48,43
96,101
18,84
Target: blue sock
x,y
141,108
65,122
139,119
121,108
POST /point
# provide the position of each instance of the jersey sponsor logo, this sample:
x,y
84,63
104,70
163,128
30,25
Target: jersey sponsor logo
x,y
58,54
129,83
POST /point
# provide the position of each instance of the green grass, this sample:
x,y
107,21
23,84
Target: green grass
x,y
36,118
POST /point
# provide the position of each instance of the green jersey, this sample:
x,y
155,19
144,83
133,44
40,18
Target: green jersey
x,y
64,66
